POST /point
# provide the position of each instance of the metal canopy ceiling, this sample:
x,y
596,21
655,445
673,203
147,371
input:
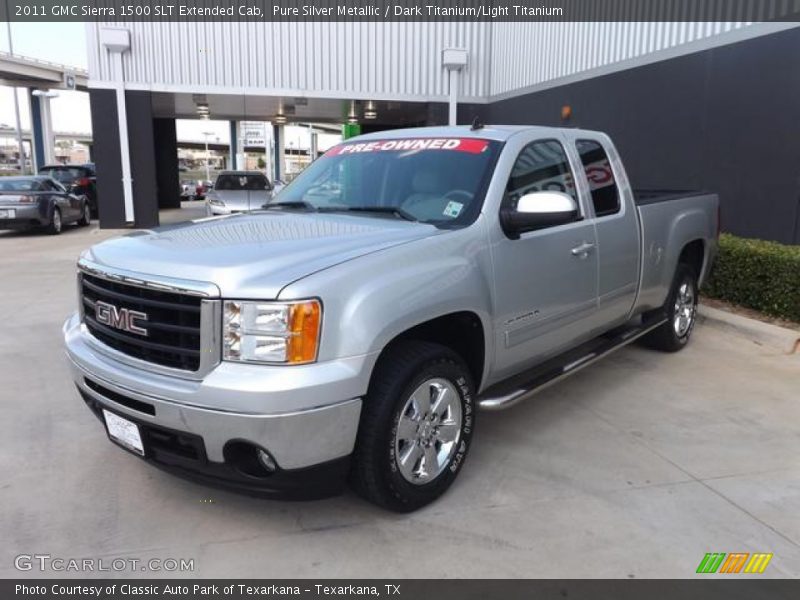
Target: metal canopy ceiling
x,y
264,108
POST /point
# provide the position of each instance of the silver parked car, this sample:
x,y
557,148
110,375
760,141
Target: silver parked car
x,y
238,191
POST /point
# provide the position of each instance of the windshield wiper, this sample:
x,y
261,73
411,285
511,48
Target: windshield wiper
x,y
301,204
388,210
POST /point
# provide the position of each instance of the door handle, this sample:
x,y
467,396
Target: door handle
x,y
582,250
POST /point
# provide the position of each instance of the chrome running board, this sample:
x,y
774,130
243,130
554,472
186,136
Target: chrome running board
x,y
521,387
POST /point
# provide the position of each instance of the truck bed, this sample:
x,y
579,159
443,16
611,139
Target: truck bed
x,y
653,196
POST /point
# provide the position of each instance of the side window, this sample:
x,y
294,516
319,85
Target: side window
x,y
597,167
52,185
541,166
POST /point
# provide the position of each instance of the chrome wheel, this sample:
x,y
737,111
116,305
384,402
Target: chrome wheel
x,y
685,308
56,221
428,431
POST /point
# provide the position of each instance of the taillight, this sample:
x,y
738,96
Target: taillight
x,y
26,199
83,182
200,189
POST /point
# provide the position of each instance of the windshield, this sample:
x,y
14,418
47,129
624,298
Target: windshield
x,y
242,182
433,180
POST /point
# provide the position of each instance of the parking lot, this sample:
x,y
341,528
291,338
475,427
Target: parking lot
x,y
636,467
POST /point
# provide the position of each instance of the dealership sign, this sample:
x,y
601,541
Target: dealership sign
x,y
470,145
253,134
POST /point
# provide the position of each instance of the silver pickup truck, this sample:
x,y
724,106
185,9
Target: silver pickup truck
x,y
351,329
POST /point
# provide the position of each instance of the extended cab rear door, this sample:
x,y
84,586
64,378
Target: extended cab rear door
x,y
545,281
603,179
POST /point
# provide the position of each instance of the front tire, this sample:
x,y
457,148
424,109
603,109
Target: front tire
x,y
86,215
416,426
681,311
56,224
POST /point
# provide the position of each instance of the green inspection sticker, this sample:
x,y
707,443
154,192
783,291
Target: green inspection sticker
x,y
453,209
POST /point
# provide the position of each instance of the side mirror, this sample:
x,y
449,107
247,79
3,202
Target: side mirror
x,y
538,210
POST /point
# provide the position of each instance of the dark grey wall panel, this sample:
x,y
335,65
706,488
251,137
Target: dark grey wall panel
x,y
143,161
725,119
105,134
166,155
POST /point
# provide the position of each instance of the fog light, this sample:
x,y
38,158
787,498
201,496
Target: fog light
x,y
266,460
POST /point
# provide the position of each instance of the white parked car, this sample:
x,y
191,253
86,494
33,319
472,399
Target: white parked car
x,y
238,191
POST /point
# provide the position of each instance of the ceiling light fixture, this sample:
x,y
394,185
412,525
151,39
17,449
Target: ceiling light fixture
x,y
352,118
370,112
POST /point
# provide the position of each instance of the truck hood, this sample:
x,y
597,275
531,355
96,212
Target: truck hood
x,y
254,255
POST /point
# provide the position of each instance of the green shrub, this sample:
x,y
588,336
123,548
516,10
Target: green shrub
x,y
757,274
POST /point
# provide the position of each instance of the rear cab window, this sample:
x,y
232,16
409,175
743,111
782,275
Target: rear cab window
x,y
600,177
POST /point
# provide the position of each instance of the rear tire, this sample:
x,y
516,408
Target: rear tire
x,y
55,226
416,426
681,312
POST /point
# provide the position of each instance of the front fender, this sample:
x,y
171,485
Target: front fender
x,y
370,300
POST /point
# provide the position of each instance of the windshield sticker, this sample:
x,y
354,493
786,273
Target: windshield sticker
x,y
469,145
453,209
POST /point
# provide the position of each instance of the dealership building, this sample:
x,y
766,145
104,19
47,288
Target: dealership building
x,y
712,106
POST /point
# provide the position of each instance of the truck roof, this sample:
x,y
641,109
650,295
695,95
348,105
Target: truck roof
x,y
488,132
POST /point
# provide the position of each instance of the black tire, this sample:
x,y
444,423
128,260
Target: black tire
x,y
56,224
669,337
376,474
86,215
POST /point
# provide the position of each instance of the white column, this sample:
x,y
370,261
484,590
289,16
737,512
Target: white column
x,y
452,111
122,123
48,140
454,60
117,40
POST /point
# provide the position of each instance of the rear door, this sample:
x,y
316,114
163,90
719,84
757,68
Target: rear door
x,y
618,245
545,281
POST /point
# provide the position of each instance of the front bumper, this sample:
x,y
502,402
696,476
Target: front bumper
x,y
305,417
228,209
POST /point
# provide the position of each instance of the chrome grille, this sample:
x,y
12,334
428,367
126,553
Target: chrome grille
x,y
173,322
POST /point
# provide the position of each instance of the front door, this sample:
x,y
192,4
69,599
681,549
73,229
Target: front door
x,y
546,281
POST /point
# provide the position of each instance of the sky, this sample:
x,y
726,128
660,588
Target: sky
x,y
63,43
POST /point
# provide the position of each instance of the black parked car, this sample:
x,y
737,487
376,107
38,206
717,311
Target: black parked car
x,y
37,201
80,180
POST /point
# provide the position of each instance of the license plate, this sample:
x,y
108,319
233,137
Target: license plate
x,y
7,213
124,432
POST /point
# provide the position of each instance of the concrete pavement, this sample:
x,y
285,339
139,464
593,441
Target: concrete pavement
x,y
636,467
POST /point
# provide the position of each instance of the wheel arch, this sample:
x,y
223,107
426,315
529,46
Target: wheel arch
x,y
463,332
693,254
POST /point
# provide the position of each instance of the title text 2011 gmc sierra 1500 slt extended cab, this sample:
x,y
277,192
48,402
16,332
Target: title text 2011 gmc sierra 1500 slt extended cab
x,y
353,327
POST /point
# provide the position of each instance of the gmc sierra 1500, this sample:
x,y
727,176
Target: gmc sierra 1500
x,y
353,326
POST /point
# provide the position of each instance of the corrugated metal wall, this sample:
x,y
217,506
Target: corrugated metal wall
x,y
380,60
528,54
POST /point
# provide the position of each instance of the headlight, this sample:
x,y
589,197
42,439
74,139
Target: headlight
x,y
215,201
271,332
